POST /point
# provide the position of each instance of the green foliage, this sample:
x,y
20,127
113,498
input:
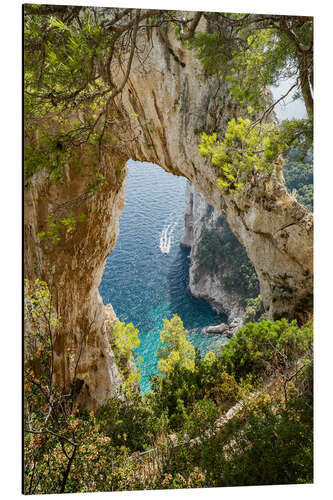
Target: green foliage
x,y
253,53
66,90
208,50
67,450
270,440
254,311
64,449
61,58
78,458
297,135
124,341
298,174
273,446
40,317
210,358
126,338
175,393
259,348
202,418
305,196
244,148
260,64
222,387
98,182
256,351
178,393
49,154
56,228
133,424
177,349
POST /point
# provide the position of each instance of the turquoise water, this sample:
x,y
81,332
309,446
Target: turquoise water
x,y
145,285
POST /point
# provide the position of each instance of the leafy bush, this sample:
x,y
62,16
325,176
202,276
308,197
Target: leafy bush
x,y
179,392
64,450
257,350
225,390
243,148
260,348
175,394
132,423
254,311
124,340
177,349
58,228
272,446
202,418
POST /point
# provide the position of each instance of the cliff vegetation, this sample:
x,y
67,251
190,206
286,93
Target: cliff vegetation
x,y
242,416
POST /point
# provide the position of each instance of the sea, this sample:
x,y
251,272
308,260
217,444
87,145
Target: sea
x,y
146,277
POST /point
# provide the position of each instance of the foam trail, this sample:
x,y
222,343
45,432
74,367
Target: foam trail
x,y
166,236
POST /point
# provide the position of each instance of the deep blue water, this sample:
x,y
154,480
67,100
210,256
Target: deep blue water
x,y
145,285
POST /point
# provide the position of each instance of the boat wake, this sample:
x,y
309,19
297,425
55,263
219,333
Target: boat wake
x,y
166,236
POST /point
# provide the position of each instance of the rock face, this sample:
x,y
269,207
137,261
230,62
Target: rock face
x,y
167,101
208,284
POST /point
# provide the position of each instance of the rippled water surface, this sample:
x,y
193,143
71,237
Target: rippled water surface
x,y
146,276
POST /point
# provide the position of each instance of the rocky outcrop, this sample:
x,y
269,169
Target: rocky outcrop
x,y
209,283
222,329
73,269
158,118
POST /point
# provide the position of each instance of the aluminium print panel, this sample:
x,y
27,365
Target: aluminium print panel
x,y
168,249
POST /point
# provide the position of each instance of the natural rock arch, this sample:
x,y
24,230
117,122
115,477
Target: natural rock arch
x,y
168,100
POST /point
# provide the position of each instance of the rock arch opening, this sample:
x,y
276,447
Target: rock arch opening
x,y
159,116
146,277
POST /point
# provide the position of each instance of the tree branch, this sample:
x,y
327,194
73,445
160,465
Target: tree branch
x,y
192,27
129,63
67,471
272,106
48,431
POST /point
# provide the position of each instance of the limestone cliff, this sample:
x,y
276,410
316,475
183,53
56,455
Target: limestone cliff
x,y
167,101
211,277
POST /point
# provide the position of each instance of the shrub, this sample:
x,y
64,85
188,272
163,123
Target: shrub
x,y
131,422
260,348
124,341
201,419
177,349
254,311
273,447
